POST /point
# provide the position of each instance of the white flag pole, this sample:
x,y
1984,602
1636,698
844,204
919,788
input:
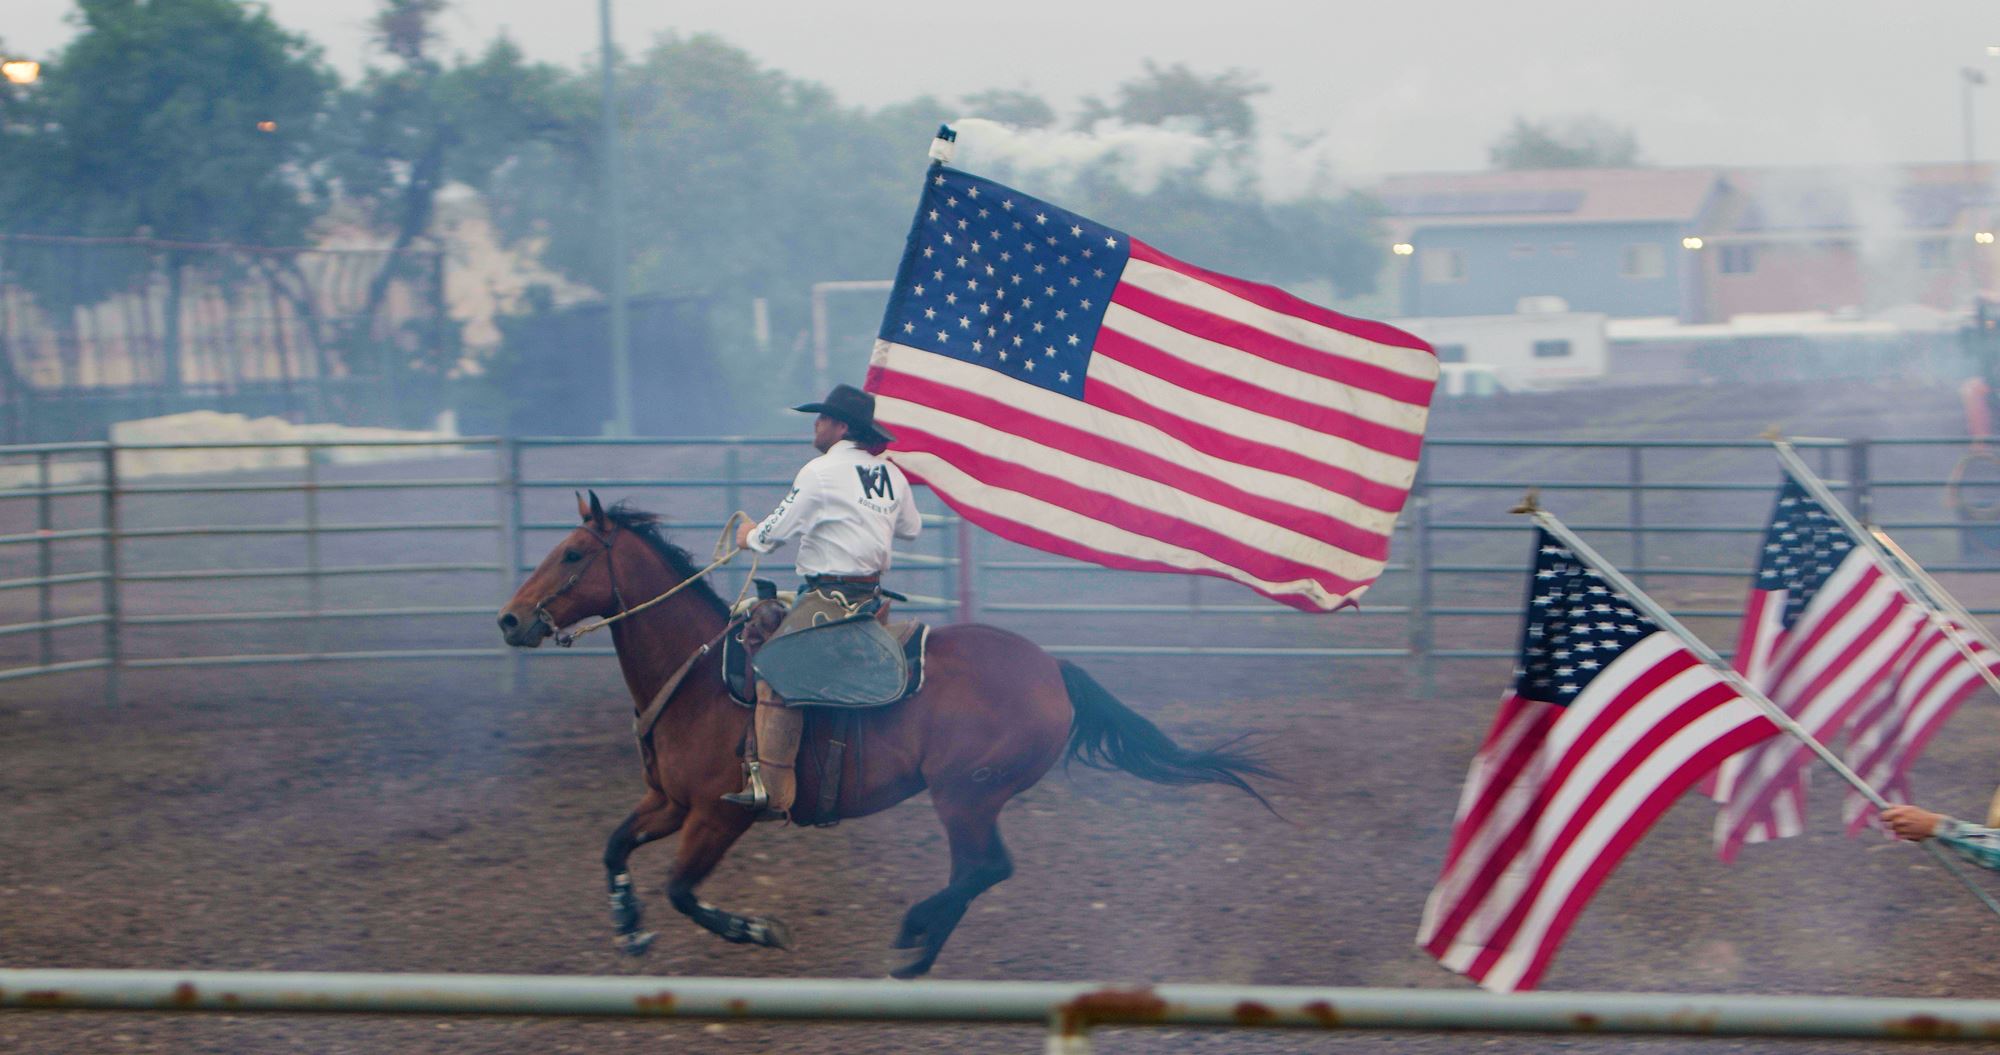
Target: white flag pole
x,y
1940,607
1775,713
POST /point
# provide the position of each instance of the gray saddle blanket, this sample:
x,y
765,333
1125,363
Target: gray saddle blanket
x,y
855,662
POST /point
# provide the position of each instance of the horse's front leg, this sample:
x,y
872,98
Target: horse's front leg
x,y
653,818
709,834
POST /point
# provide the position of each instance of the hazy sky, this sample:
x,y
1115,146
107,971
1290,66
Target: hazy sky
x,y
1396,86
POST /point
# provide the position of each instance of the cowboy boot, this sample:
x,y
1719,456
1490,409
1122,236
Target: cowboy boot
x,y
770,781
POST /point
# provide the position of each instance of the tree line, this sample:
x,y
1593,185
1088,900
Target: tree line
x,y
198,121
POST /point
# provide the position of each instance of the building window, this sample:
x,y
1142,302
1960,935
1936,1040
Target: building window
x,y
1643,260
1563,249
1450,353
1738,259
1443,265
1551,349
1933,254
1521,249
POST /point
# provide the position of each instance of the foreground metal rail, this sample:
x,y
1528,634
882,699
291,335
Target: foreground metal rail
x,y
1068,1009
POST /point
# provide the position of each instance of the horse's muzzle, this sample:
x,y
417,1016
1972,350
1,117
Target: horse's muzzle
x,y
523,635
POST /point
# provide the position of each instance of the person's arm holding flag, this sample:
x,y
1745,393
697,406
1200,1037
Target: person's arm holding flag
x,y
1974,842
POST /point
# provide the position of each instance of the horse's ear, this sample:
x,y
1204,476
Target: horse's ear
x,y
582,508
596,510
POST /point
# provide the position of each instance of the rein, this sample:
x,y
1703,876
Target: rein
x,y
566,638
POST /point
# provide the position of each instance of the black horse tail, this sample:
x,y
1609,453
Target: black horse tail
x,y
1108,735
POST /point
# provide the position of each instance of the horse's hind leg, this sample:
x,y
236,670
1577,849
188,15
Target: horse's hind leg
x,y
653,818
708,836
978,862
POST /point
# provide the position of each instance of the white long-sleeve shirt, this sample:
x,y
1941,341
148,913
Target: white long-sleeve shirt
x,y
845,508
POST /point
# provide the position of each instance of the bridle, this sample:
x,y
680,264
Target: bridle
x,y
610,569
568,638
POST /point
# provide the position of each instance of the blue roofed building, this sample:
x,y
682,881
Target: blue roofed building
x,y
1622,242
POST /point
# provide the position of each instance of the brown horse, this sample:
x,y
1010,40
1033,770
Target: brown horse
x,y
995,713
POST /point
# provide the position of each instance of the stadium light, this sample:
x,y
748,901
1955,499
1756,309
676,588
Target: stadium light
x,y
1402,249
1691,242
1983,237
21,71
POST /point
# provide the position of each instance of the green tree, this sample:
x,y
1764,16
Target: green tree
x,y
1583,142
741,182
408,128
188,120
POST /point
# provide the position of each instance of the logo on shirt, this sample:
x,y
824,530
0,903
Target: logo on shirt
x,y
875,482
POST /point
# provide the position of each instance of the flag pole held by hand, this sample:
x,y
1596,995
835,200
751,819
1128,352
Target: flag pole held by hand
x,y
1656,612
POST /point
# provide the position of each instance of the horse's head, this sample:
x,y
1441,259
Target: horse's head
x,y
574,582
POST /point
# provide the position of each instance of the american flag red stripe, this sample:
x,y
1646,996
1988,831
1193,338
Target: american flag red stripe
x,y
1581,760
1885,739
1845,644
1070,388
1825,631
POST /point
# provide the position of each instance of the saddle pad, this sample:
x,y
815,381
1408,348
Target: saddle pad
x,y
911,637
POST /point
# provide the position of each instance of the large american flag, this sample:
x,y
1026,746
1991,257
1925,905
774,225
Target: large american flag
x,y
1609,720
1823,629
1070,388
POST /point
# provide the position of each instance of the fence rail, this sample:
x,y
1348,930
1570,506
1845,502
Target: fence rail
x,y
344,550
1068,1010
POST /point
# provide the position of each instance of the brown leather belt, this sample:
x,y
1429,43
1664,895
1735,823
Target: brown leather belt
x,y
843,580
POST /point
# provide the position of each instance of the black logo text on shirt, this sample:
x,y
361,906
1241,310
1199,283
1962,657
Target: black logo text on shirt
x,y
875,482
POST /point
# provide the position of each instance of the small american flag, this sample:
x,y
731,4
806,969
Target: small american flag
x,y
1070,388
1885,737
1609,720
1823,628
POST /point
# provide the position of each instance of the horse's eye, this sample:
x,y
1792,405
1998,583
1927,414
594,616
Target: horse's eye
x,y
571,556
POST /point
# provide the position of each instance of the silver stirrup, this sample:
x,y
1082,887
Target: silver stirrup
x,y
754,794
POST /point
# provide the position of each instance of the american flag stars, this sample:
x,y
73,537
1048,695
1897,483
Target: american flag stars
x,y
1568,639
1802,548
964,225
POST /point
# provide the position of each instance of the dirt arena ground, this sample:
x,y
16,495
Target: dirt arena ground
x,y
420,816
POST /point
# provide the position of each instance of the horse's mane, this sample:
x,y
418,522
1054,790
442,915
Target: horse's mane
x,y
652,528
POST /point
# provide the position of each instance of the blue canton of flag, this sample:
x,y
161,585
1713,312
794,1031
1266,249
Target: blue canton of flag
x,y
1577,624
994,277
1802,547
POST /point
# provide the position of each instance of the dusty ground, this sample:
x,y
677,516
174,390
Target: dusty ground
x,y
421,816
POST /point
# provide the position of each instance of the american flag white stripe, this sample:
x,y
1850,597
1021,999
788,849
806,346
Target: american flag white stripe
x,y
1130,487
1004,512
1599,777
1854,630
1075,414
1274,377
1414,363
1107,369
1933,679
1073,389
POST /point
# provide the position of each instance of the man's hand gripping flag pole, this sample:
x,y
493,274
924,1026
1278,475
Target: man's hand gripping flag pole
x,y
1776,714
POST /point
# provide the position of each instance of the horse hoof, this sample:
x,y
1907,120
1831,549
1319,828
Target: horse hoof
x,y
636,944
915,965
770,933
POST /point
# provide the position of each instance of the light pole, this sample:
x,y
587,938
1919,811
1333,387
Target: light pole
x,y
613,216
1975,195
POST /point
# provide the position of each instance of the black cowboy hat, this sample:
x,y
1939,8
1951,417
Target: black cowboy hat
x,y
856,408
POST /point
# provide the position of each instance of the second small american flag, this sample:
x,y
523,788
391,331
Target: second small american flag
x,y
1070,388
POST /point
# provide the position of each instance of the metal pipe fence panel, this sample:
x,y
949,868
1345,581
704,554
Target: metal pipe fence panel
x,y
107,562
1068,1011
